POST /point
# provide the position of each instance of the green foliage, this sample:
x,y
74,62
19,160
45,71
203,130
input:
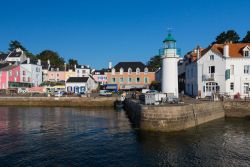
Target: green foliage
x,y
154,63
72,63
155,85
54,57
228,36
16,44
246,39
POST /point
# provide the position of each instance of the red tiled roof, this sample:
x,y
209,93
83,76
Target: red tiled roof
x,y
235,49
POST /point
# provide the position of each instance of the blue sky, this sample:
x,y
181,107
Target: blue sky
x,y
98,31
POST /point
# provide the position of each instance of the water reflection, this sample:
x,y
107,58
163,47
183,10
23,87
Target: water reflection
x,y
103,137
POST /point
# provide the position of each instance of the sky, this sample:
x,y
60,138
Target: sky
x,y
98,31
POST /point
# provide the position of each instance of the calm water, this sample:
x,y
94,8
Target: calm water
x,y
81,137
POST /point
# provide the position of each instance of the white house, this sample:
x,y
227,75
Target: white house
x,y
82,70
31,71
17,55
220,68
80,84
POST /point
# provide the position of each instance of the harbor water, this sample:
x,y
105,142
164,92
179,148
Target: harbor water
x,y
39,136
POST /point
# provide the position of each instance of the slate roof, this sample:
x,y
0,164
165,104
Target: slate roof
x,y
100,72
78,79
132,65
3,65
15,54
84,66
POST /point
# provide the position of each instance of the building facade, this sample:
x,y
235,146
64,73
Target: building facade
x,y
130,75
221,69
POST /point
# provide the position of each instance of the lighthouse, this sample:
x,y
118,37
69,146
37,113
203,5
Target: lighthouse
x,y
170,67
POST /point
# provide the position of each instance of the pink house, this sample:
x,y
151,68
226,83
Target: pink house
x,y
56,75
10,73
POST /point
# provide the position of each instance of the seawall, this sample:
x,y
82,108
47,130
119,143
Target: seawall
x,y
169,118
237,109
58,101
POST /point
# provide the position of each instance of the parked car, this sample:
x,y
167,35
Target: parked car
x,y
105,93
59,94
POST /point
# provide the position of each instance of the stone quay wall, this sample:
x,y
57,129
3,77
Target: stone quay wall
x,y
238,109
58,101
169,118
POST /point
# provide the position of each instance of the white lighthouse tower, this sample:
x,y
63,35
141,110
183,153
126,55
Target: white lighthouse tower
x,y
170,67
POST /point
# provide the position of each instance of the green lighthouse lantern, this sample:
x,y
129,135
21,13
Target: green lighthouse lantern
x,y
169,42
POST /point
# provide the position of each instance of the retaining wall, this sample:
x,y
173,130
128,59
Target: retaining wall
x,y
58,101
239,109
173,117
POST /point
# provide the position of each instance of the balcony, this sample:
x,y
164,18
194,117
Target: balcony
x,y
208,77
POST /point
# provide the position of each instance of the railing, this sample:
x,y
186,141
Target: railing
x,y
209,77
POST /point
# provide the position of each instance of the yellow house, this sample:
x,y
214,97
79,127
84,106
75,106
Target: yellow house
x,y
69,73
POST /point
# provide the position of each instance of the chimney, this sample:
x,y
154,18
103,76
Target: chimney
x,y
28,60
110,65
75,66
57,69
39,62
65,67
198,52
48,62
226,50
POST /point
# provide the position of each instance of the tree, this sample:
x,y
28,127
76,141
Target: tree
x,y
72,63
54,57
229,36
246,39
16,44
154,63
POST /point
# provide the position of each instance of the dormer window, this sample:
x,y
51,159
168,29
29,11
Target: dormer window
x,y
113,71
137,71
146,70
246,54
212,57
121,71
246,51
129,71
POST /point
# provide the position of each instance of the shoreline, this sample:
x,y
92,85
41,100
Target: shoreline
x,y
90,102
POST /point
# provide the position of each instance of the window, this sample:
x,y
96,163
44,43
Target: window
x,y
246,54
83,71
129,71
246,88
231,86
129,79
211,69
37,69
145,70
113,80
121,80
137,79
145,80
211,57
121,71
23,79
232,69
57,75
137,71
78,71
246,69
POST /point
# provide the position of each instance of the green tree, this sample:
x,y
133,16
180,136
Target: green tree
x,y
246,39
72,63
228,36
154,63
54,57
16,44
